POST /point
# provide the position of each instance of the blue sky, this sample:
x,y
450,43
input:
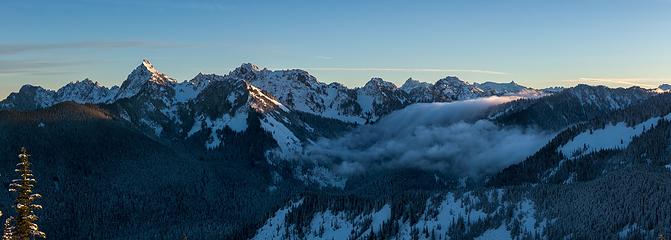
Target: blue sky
x,y
536,43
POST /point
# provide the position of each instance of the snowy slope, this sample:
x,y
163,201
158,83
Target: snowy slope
x,y
296,89
509,89
86,91
378,98
34,97
301,91
612,136
141,76
453,89
664,88
418,91
442,214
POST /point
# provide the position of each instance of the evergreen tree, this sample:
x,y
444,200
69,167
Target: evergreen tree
x,y
8,230
25,227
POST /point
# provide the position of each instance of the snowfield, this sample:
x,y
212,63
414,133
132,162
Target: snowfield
x,y
613,136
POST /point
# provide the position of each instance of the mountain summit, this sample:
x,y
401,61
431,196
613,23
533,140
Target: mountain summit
x,y
144,73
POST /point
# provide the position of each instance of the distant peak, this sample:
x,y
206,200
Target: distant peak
x,y
146,64
29,87
250,67
413,81
411,84
89,81
379,83
450,80
246,71
144,73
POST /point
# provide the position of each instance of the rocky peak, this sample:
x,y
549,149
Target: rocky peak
x,y
85,91
246,71
202,80
451,81
29,97
412,84
143,74
665,87
379,83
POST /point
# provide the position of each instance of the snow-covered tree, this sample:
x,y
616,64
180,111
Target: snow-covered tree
x,y
8,229
25,227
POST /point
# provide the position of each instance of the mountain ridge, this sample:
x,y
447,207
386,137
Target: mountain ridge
x,y
146,72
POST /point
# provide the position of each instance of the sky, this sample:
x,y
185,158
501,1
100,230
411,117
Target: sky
x,y
535,43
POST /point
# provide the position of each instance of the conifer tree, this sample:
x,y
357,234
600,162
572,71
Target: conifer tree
x,y
25,227
8,230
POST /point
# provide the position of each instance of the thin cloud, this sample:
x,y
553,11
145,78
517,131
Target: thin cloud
x,y
30,67
12,49
406,70
324,57
621,81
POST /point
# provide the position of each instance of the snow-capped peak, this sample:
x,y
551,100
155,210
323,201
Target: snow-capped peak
x,y
501,88
452,88
246,71
379,83
143,74
251,67
451,80
411,84
148,65
663,88
85,91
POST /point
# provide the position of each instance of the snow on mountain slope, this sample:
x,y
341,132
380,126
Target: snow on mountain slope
x,y
237,123
274,121
271,229
604,97
138,78
418,91
325,225
500,88
300,91
296,89
86,91
612,136
288,143
664,88
443,217
495,234
188,90
34,97
29,97
229,103
453,89
378,98
509,89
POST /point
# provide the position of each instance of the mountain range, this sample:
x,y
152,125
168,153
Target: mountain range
x,y
228,157
155,102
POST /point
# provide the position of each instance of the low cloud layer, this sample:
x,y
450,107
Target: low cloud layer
x,y
435,136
